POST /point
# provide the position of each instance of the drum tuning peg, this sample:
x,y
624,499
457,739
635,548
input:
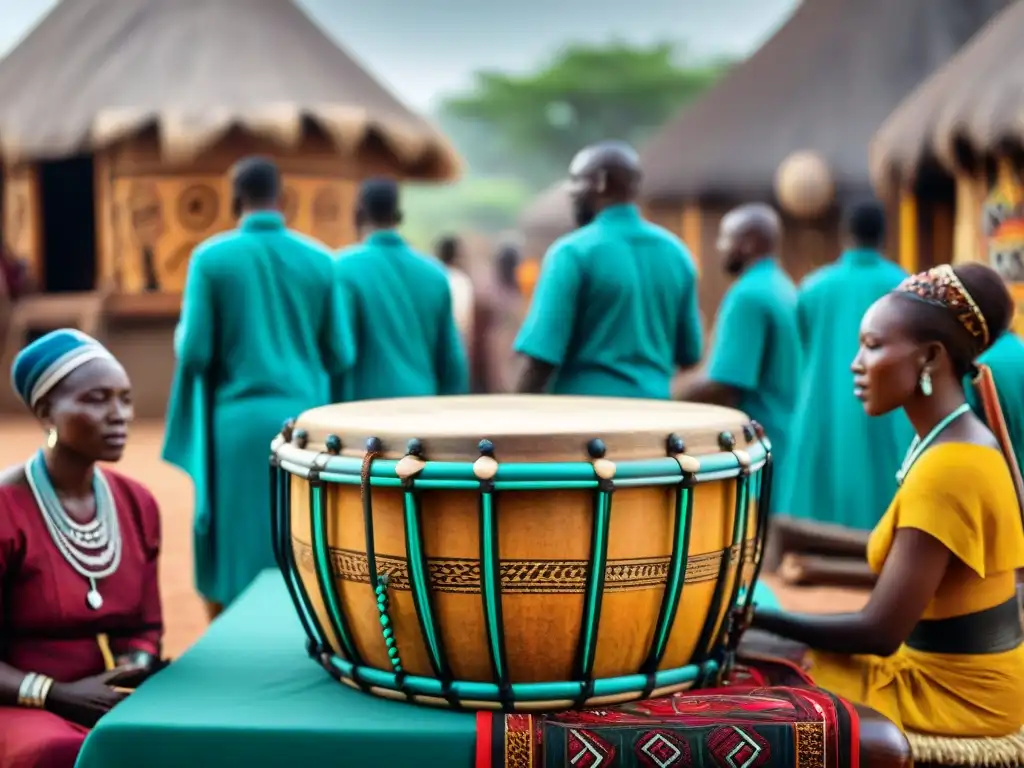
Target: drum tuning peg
x,y
287,429
374,445
674,445
603,468
414,448
748,433
300,438
409,466
726,441
758,429
486,467
333,444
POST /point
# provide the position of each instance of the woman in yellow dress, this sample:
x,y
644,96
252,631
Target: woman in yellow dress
x,y
938,647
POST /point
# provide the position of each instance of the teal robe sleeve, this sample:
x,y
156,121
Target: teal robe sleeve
x,y
452,362
690,333
193,338
547,329
188,429
740,343
338,339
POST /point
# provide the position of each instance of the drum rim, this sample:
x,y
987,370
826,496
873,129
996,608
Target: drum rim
x,y
524,697
337,468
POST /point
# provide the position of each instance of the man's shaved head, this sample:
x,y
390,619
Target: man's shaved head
x,y
603,174
748,233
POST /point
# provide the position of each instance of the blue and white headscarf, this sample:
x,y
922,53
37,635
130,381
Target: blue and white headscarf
x,y
50,359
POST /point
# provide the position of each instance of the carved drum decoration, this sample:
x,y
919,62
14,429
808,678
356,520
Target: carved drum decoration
x,y
517,552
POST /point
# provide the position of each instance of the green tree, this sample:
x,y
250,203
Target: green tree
x,y
486,205
587,93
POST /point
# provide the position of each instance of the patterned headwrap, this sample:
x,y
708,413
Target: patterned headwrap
x,y
940,286
50,359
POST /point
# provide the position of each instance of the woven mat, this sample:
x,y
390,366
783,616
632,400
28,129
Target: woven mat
x,y
1000,752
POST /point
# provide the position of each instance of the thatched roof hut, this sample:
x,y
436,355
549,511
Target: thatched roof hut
x,y
824,83
119,120
957,142
792,123
95,72
970,109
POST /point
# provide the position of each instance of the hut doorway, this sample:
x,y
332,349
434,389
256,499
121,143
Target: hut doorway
x,y
68,203
935,194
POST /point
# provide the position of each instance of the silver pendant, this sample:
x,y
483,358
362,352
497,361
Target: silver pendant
x,y
94,599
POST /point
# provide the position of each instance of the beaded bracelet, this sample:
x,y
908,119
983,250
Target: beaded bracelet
x,y
34,690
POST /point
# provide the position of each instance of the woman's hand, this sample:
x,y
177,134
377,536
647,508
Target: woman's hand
x,y
146,662
85,701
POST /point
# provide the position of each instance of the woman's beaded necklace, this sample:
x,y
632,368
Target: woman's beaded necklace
x,y
92,549
919,445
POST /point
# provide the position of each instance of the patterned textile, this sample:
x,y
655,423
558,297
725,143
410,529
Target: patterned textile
x,y
739,726
940,286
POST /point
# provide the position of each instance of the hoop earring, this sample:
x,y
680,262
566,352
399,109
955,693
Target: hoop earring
x,y
51,439
926,383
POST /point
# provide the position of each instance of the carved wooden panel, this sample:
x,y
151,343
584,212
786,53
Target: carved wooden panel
x,y
157,220
21,217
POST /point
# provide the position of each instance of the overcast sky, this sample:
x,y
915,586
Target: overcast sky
x,y
421,48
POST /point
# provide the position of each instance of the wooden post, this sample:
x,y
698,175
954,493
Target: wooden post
x,y
942,234
908,231
967,238
691,229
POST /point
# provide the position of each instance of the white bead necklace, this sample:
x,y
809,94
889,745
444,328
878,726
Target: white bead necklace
x,y
92,549
918,446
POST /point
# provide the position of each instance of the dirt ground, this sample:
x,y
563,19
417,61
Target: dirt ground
x,y
183,610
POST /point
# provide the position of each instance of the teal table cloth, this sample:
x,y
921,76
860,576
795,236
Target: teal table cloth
x,y
248,695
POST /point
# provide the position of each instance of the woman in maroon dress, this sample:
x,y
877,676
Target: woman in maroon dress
x,y
79,601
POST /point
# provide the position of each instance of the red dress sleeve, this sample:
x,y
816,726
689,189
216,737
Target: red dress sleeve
x,y
151,626
11,549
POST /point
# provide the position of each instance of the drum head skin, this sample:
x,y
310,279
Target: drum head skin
x,y
524,427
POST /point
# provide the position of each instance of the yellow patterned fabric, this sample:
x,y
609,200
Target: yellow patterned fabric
x,y
964,496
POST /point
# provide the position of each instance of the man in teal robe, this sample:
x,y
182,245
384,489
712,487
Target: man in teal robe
x,y
848,460
1006,359
401,309
755,362
262,332
614,312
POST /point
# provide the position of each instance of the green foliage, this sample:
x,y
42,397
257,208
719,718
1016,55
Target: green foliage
x,y
586,93
479,204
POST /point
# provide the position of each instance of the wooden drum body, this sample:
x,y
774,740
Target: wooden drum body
x,y
517,552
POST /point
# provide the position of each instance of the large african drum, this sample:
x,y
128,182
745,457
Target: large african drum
x,y
519,553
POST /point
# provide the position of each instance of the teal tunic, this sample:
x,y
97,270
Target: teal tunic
x,y
1006,359
848,460
401,314
756,349
615,309
261,334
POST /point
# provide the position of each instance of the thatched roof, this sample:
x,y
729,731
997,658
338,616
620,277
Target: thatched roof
x,y
549,215
97,71
824,82
975,103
